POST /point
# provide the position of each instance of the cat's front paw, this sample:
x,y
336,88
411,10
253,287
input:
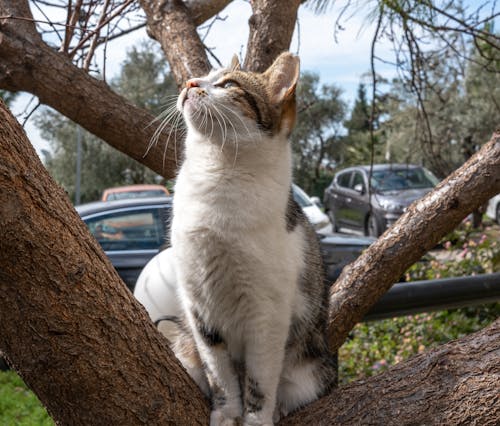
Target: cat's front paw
x,y
257,419
219,418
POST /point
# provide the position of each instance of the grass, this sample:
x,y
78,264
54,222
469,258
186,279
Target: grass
x,y
18,405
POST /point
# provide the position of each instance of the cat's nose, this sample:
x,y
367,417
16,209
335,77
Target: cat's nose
x,y
192,83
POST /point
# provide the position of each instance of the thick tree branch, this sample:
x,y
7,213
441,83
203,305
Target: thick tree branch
x,y
422,226
69,325
271,29
28,64
202,10
454,384
171,24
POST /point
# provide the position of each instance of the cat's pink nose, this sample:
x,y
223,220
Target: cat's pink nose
x,y
192,83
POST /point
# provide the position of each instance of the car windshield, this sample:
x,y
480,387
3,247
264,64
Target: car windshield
x,y
400,179
301,197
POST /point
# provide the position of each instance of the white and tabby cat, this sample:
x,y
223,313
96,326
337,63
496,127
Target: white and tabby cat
x,y
248,264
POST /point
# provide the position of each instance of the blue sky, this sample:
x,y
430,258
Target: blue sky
x,y
340,60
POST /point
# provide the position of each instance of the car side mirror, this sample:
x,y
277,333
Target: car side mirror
x,y
359,188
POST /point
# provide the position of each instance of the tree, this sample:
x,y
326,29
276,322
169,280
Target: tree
x,y
316,139
86,347
358,143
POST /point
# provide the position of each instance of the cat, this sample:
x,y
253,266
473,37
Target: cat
x,y
247,260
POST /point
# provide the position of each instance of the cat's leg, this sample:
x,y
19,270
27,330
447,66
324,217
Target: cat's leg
x,y
222,378
263,361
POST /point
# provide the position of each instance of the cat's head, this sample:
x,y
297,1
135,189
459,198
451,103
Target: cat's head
x,y
232,104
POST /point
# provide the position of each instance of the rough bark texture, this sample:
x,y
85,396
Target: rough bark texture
x,y
271,29
69,325
171,24
454,384
422,226
28,64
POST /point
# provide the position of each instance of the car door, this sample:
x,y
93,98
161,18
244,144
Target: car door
x,y
357,203
340,194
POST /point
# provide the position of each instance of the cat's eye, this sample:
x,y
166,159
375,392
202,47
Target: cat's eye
x,y
227,84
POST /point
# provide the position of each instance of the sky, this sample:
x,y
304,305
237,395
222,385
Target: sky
x,y
339,59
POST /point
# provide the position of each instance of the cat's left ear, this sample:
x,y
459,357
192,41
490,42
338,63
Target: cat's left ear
x,y
283,76
235,64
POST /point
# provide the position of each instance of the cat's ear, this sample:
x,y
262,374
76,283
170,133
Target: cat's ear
x,y
235,64
283,76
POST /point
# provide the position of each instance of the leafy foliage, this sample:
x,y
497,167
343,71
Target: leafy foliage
x,y
452,118
316,138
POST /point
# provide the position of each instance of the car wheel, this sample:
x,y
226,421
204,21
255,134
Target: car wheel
x,y
372,228
331,216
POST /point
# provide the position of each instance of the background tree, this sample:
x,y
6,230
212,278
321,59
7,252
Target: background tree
x,y
316,137
460,104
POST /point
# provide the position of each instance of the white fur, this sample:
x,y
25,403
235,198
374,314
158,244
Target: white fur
x,y
230,198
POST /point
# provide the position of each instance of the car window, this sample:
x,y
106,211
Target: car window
x,y
398,179
142,229
357,180
343,179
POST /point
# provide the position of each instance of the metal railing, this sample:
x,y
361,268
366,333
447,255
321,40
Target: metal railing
x,y
435,295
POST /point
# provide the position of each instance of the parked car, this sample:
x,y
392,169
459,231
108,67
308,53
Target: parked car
x,y
318,219
355,204
133,191
493,209
132,231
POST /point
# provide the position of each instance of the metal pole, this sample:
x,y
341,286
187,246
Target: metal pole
x,y
78,164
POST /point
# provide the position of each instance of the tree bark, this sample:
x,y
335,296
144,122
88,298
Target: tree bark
x,y
70,327
423,225
454,384
28,64
271,29
88,350
171,24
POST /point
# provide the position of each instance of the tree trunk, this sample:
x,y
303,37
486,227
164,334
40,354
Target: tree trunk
x,y
171,24
271,29
90,353
70,327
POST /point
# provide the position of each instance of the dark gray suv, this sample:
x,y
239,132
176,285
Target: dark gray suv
x,y
352,204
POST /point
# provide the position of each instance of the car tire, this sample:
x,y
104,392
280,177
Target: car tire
x,y
372,227
331,216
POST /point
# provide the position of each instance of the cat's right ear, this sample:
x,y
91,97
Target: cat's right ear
x,y
283,76
235,64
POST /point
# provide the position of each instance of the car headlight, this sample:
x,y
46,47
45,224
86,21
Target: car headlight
x,y
391,206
